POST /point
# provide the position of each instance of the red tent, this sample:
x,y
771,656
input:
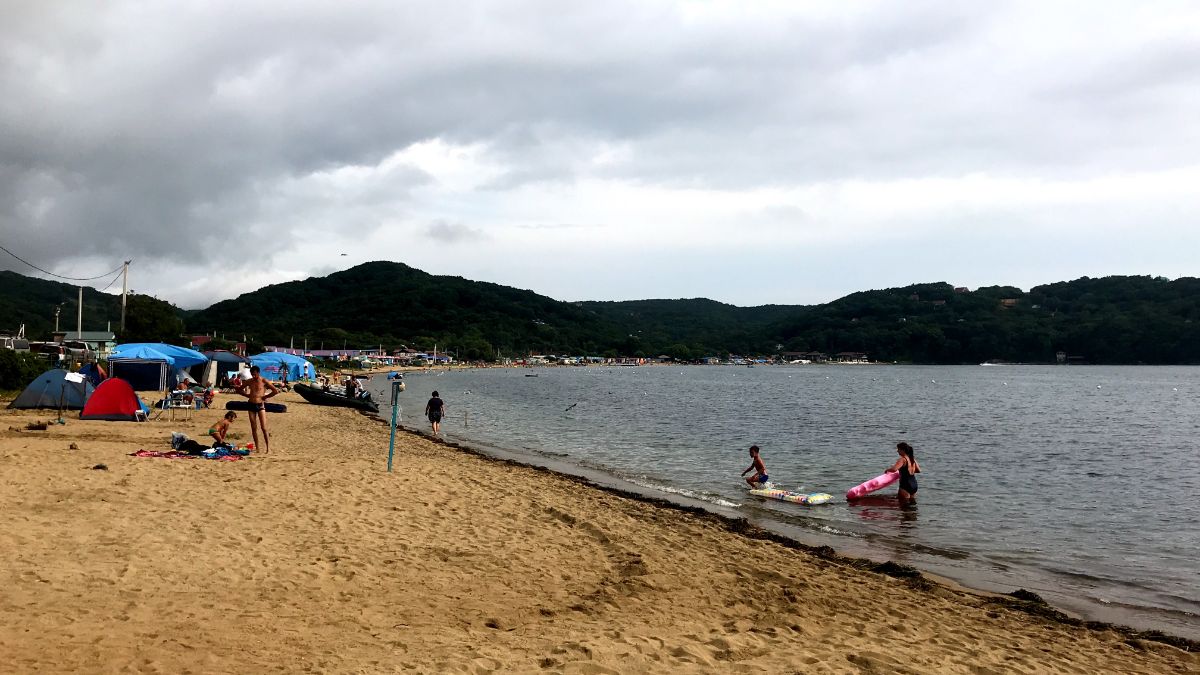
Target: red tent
x,y
113,400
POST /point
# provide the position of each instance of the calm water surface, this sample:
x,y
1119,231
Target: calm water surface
x,y
1079,483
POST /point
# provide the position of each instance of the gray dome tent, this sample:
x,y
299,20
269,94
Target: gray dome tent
x,y
51,388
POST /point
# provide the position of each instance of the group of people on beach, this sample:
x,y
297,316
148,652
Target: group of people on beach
x,y
906,466
258,389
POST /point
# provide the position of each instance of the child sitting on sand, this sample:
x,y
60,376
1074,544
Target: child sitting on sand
x,y
759,479
221,428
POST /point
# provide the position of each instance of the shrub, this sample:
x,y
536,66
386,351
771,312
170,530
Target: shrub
x,y
17,369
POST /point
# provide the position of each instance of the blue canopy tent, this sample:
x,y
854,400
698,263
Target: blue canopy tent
x,y
272,363
151,366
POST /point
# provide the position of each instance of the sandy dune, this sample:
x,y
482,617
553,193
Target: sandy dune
x,y
316,559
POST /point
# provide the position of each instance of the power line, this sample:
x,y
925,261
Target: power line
x,y
59,275
114,280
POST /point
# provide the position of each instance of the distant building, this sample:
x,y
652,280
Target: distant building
x,y
961,289
851,357
99,341
1009,302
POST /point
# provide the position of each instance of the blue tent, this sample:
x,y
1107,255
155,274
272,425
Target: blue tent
x,y
178,357
151,366
271,364
51,389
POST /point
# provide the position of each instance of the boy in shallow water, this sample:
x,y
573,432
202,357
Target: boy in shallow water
x,y
759,479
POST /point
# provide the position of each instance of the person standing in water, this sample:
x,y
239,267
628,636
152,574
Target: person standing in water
x,y
434,411
908,469
759,479
258,391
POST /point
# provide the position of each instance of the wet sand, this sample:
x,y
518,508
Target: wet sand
x,y
315,558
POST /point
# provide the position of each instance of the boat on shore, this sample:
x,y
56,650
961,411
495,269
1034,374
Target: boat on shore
x,y
322,397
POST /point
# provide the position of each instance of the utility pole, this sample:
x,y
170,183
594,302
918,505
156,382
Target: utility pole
x,y
57,309
124,292
79,317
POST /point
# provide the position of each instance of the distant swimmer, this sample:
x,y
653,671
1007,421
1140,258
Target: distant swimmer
x,y
570,406
434,410
759,479
907,467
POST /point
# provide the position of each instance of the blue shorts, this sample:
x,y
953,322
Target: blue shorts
x,y
761,478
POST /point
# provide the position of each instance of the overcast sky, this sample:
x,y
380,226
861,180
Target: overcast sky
x,y
765,152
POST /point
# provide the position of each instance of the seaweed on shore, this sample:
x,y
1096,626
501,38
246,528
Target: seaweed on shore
x,y
1021,600
1029,602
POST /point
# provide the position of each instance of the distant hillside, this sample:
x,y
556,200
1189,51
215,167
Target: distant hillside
x,y
392,303
32,301
694,328
1112,320
1109,320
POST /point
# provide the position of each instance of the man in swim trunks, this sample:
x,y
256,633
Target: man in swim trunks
x,y
258,391
759,479
434,410
221,428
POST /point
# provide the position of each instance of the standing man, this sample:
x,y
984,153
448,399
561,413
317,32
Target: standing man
x,y
306,371
434,410
283,375
258,391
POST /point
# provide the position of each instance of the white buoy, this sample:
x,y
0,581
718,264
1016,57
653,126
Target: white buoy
x,y
1097,386
933,381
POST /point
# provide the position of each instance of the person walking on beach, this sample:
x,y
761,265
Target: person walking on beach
x,y
219,430
258,390
908,469
759,479
434,411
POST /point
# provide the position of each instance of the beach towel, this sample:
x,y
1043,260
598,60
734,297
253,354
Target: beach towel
x,y
220,455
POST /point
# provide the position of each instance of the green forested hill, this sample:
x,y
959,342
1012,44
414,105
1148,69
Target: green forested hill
x,y
1108,320
32,301
1120,319
392,303
692,329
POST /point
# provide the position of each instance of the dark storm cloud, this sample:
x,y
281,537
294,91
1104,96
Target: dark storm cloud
x,y
140,130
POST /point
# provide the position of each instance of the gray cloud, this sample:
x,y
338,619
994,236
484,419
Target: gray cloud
x,y
453,233
134,130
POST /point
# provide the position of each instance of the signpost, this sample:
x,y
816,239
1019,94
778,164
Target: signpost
x,y
397,387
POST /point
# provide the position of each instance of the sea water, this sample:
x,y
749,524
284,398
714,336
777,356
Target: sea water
x,y
1078,483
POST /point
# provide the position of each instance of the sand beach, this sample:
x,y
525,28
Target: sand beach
x,y
315,559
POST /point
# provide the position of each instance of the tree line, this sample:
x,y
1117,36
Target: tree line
x,y
1110,320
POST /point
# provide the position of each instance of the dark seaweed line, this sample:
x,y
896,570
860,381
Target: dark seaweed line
x,y
1020,600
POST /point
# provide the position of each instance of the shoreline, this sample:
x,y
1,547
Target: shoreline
x,y
314,557
1020,599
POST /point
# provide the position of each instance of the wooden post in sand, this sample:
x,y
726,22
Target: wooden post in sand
x,y
397,386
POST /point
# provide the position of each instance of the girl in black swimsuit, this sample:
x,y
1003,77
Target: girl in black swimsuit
x,y
908,468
